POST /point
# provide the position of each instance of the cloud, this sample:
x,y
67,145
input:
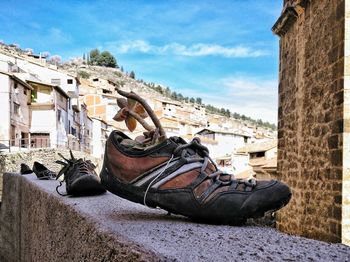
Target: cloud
x,y
245,86
141,46
55,35
248,95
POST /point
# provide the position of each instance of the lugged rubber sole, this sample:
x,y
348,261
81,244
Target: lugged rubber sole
x,y
136,195
86,185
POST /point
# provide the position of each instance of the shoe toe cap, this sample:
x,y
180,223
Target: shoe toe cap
x,y
267,196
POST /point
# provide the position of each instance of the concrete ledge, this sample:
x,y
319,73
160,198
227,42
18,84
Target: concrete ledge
x,y
39,225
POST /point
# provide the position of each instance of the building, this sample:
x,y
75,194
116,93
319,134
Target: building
x,y
262,157
49,115
99,137
182,111
85,130
222,142
34,68
14,107
55,93
314,118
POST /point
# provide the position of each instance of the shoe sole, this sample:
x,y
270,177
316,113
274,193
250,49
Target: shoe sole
x,y
86,185
136,195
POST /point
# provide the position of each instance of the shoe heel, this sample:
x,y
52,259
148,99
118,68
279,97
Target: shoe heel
x,y
104,177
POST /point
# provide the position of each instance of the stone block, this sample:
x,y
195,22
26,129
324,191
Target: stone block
x,y
47,227
336,157
333,142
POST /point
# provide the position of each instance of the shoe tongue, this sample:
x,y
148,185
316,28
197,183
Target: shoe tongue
x,y
180,141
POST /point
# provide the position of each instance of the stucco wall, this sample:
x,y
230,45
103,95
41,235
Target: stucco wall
x,y
310,126
4,107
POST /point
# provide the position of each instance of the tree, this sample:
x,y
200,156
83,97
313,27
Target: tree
x,y
122,69
84,57
174,95
83,74
132,74
192,100
56,59
94,55
199,100
236,115
167,91
45,54
106,59
159,89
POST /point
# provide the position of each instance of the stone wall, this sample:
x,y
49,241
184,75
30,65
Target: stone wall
x,y
10,162
310,125
346,135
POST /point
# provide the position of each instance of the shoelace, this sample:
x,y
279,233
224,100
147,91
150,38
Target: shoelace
x,y
48,174
150,184
83,167
203,152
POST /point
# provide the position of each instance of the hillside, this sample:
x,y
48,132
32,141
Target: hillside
x,y
81,67
116,75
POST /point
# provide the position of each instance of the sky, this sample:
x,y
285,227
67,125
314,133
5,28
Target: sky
x,y
222,51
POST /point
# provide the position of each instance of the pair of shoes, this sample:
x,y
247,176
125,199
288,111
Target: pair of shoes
x,y
25,169
181,178
80,177
41,171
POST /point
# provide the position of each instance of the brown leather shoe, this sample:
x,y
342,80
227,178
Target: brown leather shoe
x,y
181,178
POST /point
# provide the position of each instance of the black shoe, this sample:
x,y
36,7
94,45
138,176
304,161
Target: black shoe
x,y
80,177
181,178
42,172
25,169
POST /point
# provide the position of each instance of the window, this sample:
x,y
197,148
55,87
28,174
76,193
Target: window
x,y
24,91
105,91
56,81
70,81
34,95
15,86
16,108
73,131
257,154
59,114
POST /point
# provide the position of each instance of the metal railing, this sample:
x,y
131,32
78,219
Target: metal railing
x,y
22,144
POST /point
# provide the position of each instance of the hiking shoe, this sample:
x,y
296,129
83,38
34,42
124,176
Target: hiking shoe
x,y
42,172
80,177
25,169
181,178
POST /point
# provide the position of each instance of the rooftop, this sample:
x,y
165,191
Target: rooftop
x,y
258,147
